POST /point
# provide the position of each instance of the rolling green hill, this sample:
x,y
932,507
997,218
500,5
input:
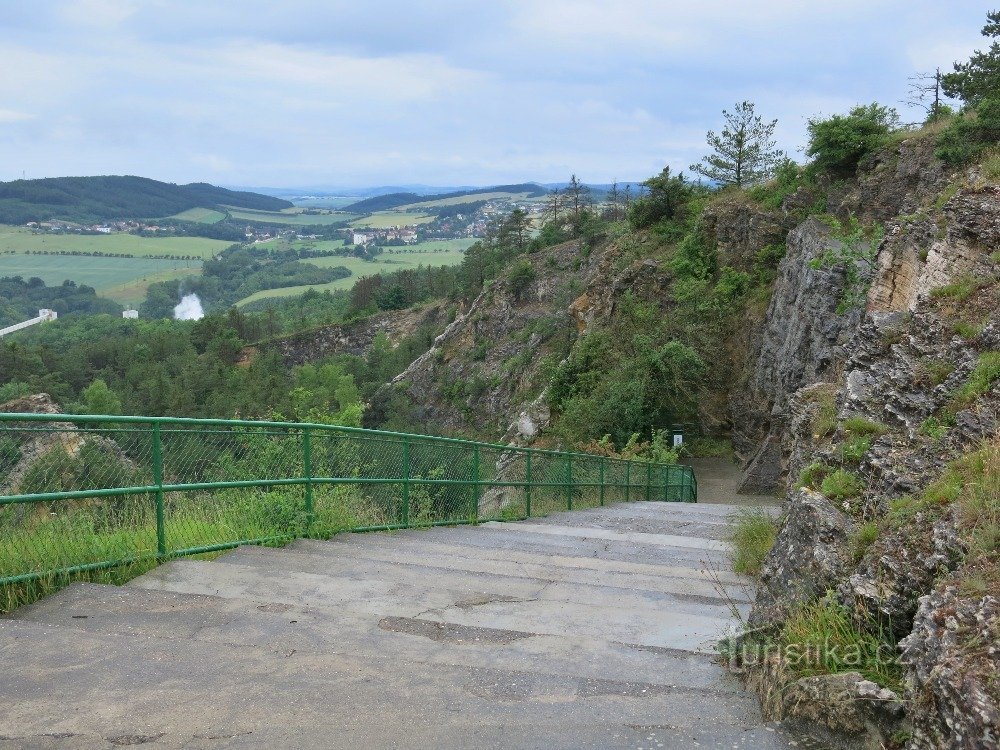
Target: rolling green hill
x,y
89,199
396,200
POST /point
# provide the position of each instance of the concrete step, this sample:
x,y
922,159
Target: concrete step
x,y
456,577
456,550
575,531
76,688
285,629
664,626
508,537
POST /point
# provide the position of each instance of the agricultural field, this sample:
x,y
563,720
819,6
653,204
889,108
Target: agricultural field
x,y
461,199
385,219
121,279
439,253
21,239
200,216
290,216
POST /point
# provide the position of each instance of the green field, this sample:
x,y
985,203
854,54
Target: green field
x,y
440,253
21,239
290,216
460,199
200,216
385,219
121,279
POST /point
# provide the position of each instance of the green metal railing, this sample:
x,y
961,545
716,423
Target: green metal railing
x,y
89,492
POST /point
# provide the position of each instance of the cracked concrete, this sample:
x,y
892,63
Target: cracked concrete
x,y
592,629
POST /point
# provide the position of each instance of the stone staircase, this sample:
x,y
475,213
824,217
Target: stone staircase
x,y
591,629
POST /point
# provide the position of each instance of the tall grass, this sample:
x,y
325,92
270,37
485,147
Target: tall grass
x,y
753,536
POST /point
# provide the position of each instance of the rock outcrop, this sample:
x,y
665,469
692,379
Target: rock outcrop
x,y
357,337
903,384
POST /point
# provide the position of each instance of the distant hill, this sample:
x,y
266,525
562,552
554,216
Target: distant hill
x,y
395,200
89,199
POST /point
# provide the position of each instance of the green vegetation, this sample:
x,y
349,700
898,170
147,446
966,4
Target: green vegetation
x,y
839,143
977,83
754,532
959,290
117,244
841,485
934,428
855,253
200,215
822,638
90,199
935,371
855,449
123,280
862,539
21,300
744,153
386,219
980,380
291,217
861,427
400,200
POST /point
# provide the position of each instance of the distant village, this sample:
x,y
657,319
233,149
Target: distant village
x,y
458,225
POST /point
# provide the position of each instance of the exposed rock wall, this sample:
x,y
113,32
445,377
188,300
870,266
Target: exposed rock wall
x,y
933,312
357,337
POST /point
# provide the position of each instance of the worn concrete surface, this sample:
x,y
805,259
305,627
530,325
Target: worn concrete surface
x,y
591,629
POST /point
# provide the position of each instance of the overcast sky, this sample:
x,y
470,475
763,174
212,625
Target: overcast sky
x,y
441,92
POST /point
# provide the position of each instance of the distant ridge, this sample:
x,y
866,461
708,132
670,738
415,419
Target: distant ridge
x,y
395,200
111,197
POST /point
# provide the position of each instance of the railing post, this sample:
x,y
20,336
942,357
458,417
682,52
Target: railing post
x,y
649,478
602,480
527,486
628,480
475,485
406,482
307,474
569,481
161,531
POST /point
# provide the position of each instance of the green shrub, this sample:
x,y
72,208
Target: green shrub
x,y
861,427
521,275
754,532
855,449
971,133
841,485
839,143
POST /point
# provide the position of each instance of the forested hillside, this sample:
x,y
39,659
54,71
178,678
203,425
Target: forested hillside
x,y
87,199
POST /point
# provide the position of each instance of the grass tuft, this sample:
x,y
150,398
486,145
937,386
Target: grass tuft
x,y
861,427
753,536
841,485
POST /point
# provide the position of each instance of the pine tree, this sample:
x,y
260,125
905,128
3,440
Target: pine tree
x,y
744,152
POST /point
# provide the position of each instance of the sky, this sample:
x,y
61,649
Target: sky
x,y
307,93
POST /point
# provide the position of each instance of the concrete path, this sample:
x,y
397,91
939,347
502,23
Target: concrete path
x,y
591,629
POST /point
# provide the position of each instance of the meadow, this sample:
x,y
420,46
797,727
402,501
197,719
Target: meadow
x,y
122,279
385,219
200,216
21,239
291,216
437,253
461,199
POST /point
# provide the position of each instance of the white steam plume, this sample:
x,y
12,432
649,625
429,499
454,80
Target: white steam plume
x,y
189,308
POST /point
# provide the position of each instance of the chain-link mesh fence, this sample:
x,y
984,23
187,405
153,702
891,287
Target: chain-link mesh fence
x,y
82,493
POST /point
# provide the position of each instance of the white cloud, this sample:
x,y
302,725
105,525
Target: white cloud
x,y
446,91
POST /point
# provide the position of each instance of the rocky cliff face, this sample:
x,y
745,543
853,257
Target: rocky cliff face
x,y
893,396
356,338
482,372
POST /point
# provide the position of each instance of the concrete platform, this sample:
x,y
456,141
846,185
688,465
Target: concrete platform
x,y
591,629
